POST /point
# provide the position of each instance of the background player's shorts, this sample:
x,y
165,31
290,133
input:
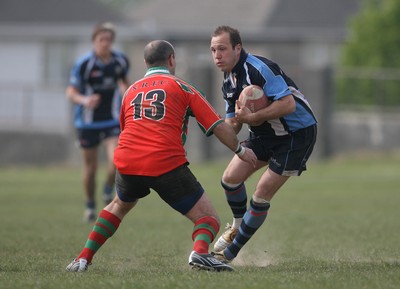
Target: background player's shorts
x,y
89,138
286,155
179,188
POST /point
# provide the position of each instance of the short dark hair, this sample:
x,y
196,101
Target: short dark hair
x,y
103,27
157,52
234,34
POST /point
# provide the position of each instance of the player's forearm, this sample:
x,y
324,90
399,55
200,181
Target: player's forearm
x,y
277,109
226,135
74,96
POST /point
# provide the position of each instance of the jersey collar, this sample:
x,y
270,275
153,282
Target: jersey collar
x,y
236,70
157,70
242,59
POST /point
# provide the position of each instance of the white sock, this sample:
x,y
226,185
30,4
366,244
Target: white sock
x,y
236,222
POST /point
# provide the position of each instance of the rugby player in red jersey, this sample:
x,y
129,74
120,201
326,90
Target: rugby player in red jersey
x,y
151,155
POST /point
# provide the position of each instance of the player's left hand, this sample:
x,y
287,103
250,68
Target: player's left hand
x,y
242,113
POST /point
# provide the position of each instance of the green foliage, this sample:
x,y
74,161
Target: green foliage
x,y
336,226
122,4
375,37
373,45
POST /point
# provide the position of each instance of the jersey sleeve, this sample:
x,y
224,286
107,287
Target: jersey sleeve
x,y
123,62
275,85
229,108
127,66
75,78
206,116
122,117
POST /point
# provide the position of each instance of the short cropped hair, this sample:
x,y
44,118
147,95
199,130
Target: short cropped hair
x,y
234,34
104,27
157,53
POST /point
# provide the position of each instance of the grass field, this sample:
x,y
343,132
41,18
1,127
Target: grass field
x,y
337,226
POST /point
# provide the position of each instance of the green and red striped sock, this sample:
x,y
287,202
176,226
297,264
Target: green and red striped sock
x,y
204,232
105,227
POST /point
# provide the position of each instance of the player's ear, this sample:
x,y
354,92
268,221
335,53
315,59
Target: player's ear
x,y
172,63
238,47
171,60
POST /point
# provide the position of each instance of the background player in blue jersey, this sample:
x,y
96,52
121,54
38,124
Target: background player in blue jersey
x,y
98,80
282,135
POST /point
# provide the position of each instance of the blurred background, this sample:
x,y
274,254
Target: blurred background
x,y
343,54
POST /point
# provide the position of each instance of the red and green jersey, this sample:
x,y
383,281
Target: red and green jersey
x,y
154,123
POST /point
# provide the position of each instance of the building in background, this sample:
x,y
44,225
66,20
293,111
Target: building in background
x,y
40,40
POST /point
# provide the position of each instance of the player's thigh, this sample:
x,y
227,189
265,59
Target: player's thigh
x,y
110,144
111,136
290,156
130,188
88,138
238,171
89,157
269,184
179,188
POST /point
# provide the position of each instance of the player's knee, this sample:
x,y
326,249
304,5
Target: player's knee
x,y
232,179
119,207
259,200
230,186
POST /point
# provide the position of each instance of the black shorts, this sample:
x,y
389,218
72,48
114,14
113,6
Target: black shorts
x,y
89,138
179,188
286,155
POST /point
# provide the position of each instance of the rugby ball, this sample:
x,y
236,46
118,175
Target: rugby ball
x,y
253,98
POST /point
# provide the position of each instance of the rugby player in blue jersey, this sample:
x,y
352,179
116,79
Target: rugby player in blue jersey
x,y
282,136
97,82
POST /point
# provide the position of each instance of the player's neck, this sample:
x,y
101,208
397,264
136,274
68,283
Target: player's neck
x,y
105,57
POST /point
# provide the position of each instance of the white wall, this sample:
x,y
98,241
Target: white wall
x,y
21,62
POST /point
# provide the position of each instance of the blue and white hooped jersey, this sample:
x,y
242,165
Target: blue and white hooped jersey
x,y
90,75
276,84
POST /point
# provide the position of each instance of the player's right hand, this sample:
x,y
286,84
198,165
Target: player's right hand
x,y
249,156
92,101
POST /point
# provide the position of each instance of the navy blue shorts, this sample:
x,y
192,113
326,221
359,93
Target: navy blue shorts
x,y
179,188
286,155
89,138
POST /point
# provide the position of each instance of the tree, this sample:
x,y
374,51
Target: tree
x,y
121,4
371,57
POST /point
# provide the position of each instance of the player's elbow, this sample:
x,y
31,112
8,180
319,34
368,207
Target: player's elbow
x,y
292,107
69,92
237,126
290,104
